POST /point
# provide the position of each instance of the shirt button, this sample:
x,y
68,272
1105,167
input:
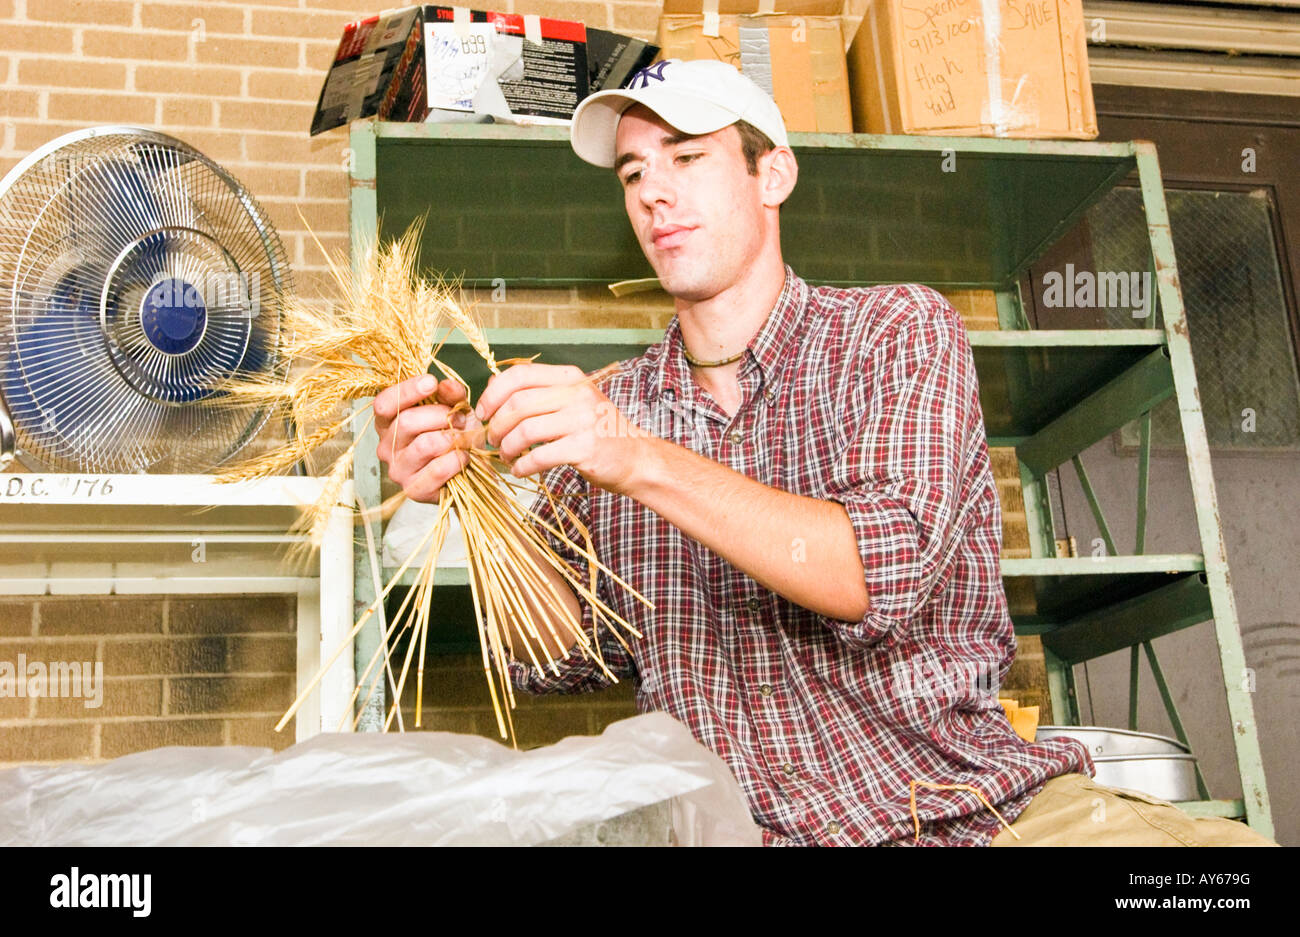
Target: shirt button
x,y
766,689
788,769
736,437
832,827
753,604
769,396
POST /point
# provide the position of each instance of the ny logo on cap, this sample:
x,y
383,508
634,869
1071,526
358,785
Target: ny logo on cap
x,y
642,78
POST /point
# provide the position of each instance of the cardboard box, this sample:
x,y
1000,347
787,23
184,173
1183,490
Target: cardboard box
x,y
991,68
365,76
452,63
613,59
796,54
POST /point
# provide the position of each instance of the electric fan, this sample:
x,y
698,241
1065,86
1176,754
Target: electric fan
x,y
135,275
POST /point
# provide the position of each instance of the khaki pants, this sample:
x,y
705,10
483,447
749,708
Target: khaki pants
x,y
1074,810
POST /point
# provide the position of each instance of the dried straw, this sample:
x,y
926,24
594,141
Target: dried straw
x,y
916,821
384,330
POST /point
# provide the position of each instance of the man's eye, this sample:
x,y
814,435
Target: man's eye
x,y
688,157
632,177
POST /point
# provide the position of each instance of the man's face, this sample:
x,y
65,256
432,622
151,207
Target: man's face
x,y
695,208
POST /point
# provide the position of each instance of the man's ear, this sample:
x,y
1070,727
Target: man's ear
x,y
779,172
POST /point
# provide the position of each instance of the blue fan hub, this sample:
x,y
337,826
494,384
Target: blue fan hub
x,y
173,316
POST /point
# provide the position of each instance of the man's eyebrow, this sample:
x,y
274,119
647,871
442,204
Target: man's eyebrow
x,y
668,139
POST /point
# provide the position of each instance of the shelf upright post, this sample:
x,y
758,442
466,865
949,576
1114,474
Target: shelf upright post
x,y
1038,518
1232,659
364,229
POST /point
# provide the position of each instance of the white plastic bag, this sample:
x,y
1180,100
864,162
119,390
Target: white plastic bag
x,y
417,788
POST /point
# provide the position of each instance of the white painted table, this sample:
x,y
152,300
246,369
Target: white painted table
x,y
69,534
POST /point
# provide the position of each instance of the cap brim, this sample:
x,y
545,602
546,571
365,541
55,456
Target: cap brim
x,y
595,121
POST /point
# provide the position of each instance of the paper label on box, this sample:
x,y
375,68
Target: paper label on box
x,y
348,85
369,70
457,64
338,86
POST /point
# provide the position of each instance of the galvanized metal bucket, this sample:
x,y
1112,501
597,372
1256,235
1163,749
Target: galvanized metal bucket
x,y
1139,761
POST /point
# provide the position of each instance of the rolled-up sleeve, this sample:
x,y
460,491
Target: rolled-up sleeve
x,y
900,478
579,672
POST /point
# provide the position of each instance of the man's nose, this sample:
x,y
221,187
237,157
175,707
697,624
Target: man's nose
x,y
656,187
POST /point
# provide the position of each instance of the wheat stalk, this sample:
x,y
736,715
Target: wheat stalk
x,y
384,329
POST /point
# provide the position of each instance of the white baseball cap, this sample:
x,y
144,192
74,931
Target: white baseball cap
x,y
698,96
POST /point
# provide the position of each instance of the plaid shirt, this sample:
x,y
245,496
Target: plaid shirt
x,y
866,397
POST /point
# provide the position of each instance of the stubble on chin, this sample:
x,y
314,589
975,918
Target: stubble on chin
x,y
689,280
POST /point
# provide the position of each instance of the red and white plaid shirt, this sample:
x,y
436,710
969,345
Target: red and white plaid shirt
x,y
866,397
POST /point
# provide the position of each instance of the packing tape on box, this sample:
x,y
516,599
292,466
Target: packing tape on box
x,y
880,72
533,28
712,22
756,56
995,115
460,21
829,84
1002,112
1074,44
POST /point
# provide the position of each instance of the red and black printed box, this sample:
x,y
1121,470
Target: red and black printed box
x,y
454,63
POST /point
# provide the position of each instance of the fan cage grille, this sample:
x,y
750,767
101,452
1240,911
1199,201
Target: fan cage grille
x,y
135,273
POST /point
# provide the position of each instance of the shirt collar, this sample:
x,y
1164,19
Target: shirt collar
x,y
767,351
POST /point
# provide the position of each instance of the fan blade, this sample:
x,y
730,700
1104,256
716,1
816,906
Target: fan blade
x,y
111,204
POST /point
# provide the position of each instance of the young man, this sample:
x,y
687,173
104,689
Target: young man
x,y
798,479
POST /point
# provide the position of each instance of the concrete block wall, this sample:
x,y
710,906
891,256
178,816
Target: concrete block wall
x,y
239,81
177,670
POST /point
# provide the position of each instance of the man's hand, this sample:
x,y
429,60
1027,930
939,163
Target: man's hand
x,y
557,410
423,445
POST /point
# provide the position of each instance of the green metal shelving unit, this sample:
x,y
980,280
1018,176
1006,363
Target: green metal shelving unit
x,y
514,204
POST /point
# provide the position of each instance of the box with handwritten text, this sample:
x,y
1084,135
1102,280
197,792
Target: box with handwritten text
x,y
990,68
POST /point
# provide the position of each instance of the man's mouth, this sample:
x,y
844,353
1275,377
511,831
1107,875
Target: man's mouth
x,y
670,236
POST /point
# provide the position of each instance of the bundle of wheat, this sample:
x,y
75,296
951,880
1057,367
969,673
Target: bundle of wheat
x,y
384,330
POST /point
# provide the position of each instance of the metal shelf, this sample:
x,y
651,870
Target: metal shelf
x,y
997,206
1086,607
1231,809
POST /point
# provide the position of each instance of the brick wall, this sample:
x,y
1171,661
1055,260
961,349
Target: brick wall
x,y
239,81
177,670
